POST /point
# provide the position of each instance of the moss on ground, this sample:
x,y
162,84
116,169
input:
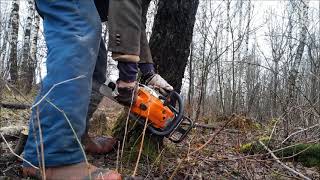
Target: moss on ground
x,y
255,147
307,154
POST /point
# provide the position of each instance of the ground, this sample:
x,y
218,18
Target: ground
x,y
220,159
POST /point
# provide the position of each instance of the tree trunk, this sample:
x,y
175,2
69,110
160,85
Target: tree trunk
x,y
191,81
26,72
293,74
4,51
33,50
171,38
14,29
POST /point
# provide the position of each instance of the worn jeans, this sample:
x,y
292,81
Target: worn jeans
x,y
72,32
76,55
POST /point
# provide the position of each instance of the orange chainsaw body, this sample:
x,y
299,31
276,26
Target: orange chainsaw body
x,y
152,108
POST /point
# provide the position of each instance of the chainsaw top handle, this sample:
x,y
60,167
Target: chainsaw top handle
x,y
171,100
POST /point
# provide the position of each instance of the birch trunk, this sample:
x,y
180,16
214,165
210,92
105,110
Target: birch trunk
x,y
27,62
14,29
293,73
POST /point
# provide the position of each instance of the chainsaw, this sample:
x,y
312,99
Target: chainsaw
x,y
162,110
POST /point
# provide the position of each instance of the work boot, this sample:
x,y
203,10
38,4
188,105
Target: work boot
x,y
74,171
126,92
99,145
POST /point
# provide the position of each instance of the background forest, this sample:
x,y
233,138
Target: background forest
x,y
252,64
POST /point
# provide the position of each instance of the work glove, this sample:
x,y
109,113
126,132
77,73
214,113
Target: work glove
x,y
158,82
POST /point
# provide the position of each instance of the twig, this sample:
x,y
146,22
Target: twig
x,y
273,129
34,133
312,141
141,145
297,132
176,170
118,155
152,165
126,129
211,139
4,139
74,133
282,164
55,85
204,126
296,154
225,158
284,175
213,136
17,90
9,138
42,164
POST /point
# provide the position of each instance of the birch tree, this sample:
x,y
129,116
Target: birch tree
x,y
294,71
26,76
14,29
33,50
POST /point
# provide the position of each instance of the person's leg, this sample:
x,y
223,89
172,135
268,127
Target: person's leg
x,y
98,78
72,31
124,21
97,145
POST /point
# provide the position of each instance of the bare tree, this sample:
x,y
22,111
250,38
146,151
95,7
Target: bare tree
x,y
293,73
14,29
33,50
25,76
173,39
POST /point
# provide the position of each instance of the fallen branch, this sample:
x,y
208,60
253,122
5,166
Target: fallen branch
x,y
14,106
300,131
4,139
55,85
282,164
9,138
12,130
205,126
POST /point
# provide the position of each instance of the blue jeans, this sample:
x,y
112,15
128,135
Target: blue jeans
x,y
72,32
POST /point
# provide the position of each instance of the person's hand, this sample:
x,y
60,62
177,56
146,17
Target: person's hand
x,y
158,82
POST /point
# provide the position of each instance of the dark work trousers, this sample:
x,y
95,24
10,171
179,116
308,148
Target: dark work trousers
x,y
124,19
127,32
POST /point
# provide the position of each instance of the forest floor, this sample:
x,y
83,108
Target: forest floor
x,y
220,159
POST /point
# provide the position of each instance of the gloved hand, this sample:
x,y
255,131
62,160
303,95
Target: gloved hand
x,y
150,78
158,82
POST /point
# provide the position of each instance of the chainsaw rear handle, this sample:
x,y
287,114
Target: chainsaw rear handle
x,y
176,120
